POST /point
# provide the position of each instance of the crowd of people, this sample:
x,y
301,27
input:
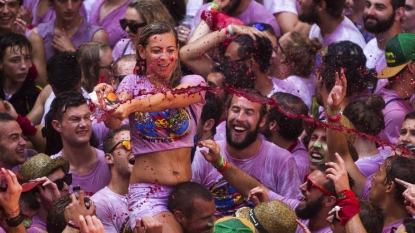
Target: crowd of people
x,y
190,116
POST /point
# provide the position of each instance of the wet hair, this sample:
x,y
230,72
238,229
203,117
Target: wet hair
x,y
301,53
11,39
29,199
89,56
402,168
333,8
397,3
152,11
55,221
158,28
366,114
183,196
288,127
109,138
410,116
329,184
350,57
64,101
372,216
64,72
237,75
124,58
409,224
260,50
212,109
5,117
263,107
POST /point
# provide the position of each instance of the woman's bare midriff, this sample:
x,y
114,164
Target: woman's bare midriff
x,y
167,168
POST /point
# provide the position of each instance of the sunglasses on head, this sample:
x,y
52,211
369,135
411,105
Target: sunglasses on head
x,y
67,179
311,184
125,143
131,25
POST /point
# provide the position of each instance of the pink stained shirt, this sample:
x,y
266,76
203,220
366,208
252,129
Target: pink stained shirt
x,y
164,130
112,209
96,180
111,22
303,88
371,164
273,166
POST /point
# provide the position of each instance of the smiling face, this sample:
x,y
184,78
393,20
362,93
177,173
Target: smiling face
x,y
15,64
243,122
378,16
160,55
312,201
407,133
317,148
12,144
8,14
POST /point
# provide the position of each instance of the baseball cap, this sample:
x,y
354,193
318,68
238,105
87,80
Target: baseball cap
x,y
233,225
399,51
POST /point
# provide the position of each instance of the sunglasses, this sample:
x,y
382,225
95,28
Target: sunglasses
x,y
311,184
67,179
279,45
132,26
125,143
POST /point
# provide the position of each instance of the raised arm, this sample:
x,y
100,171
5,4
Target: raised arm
x,y
336,140
35,115
238,179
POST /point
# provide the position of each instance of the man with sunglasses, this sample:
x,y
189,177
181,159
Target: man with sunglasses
x,y
111,201
55,185
122,67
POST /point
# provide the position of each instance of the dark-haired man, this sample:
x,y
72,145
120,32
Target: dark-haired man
x,y
111,201
328,22
284,131
72,119
270,164
193,207
383,19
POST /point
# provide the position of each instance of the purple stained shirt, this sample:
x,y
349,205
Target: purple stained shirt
x,y
293,203
255,12
394,114
164,130
49,15
346,30
111,22
112,209
371,164
300,154
84,34
37,222
273,166
96,180
303,88
123,47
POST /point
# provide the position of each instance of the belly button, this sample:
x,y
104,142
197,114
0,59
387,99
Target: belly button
x,y
175,172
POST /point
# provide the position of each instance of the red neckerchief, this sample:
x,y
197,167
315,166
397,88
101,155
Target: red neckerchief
x,y
293,146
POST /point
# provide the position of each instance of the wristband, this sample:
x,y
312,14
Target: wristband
x,y
27,127
224,167
333,119
16,221
73,224
12,214
214,6
349,206
231,30
220,164
328,110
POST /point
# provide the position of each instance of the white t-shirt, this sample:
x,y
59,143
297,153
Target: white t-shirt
x,y
375,60
298,86
345,31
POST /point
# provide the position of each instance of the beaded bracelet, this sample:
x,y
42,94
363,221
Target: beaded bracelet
x,y
15,221
73,224
328,110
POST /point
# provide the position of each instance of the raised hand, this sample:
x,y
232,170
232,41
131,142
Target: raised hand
x,y
338,92
338,173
